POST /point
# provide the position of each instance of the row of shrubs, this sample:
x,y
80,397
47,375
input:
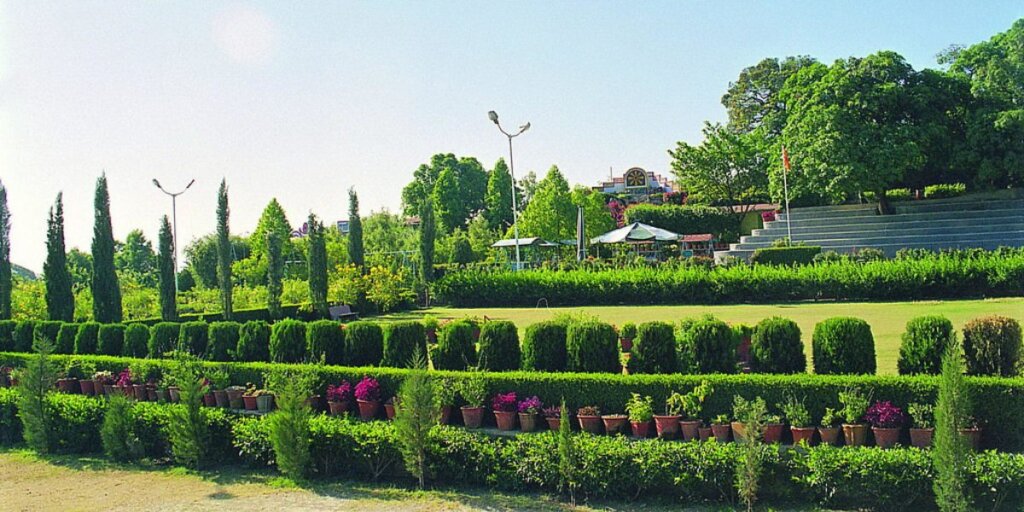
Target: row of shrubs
x,y
605,467
931,276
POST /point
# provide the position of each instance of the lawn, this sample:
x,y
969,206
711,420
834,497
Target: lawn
x,y
887,319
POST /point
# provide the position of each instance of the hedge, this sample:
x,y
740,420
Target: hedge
x,y
24,334
163,338
401,342
688,219
775,347
544,346
708,345
794,255
87,338
253,341
194,337
288,341
326,339
654,350
110,341
992,346
364,343
48,330
7,334
223,340
923,343
136,339
499,346
66,338
591,346
843,345
456,348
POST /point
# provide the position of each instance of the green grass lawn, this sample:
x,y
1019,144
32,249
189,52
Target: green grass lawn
x,y
887,319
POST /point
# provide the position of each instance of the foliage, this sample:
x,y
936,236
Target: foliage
x,y
253,341
724,169
224,257
325,341
885,415
687,219
427,235
60,300
796,412
992,346
288,341
368,389
591,346
65,341
6,280
923,343
456,348
855,404
364,344
943,190
544,346
498,198
165,263
275,273
223,340
35,382
654,350
640,408
550,213
119,441
922,415
106,290
417,411
951,452
473,390
843,345
749,467
135,260
775,347
792,255
709,346
110,340
136,340
289,426
87,338
355,230
163,338
194,338
187,432
387,288
402,340
499,346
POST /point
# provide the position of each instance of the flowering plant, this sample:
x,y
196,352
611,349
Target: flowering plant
x,y
588,410
504,402
124,378
768,216
884,415
103,376
531,405
368,390
340,393
552,412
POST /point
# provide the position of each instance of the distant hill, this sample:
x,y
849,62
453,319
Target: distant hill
x,y
23,272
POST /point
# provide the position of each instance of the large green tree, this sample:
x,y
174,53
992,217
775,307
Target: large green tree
x,y
106,289
80,268
135,259
724,169
550,214
428,233
498,202
597,217
275,273
753,101
165,265
317,261
60,299
224,250
464,191
355,231
6,283
447,201
273,219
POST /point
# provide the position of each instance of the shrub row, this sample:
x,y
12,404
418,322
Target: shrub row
x,y
795,255
688,219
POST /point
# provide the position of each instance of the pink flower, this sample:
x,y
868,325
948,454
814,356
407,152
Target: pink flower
x,y
340,393
504,402
368,390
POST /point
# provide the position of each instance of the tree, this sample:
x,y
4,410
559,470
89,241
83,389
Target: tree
x,y
951,454
417,411
498,202
461,250
481,236
60,299
273,219
80,268
753,100
135,258
447,201
428,233
275,272
165,264
317,261
35,382
525,189
597,218
106,289
471,186
355,230
224,250
6,283
550,214
201,258
725,169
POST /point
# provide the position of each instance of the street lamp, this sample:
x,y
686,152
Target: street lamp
x,y
493,116
174,226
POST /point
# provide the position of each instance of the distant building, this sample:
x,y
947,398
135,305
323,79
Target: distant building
x,y
342,226
639,184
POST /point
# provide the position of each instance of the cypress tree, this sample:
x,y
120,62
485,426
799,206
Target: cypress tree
x,y
165,263
106,290
224,250
428,231
951,454
5,256
317,262
275,271
60,300
355,230
498,201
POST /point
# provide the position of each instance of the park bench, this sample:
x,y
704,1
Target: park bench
x,y
343,312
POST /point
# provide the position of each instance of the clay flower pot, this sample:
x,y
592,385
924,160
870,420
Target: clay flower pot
x,y
161,395
221,398
140,392
389,411
739,431
554,423
151,394
773,433
666,426
87,387
803,434
173,394
235,398
721,432
249,402
67,385
472,417
446,414
886,437
973,436
591,424
264,403
527,422
335,408
855,435
829,435
921,437
368,409
614,423
506,420
641,429
210,400
626,344
689,429
704,433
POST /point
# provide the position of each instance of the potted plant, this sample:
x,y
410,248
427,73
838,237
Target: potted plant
x,y
553,415
829,428
528,411
235,396
72,375
855,404
474,392
720,428
338,397
389,407
264,400
886,421
614,423
590,419
923,426
504,406
640,410
667,425
368,397
704,431
446,392
773,428
430,324
973,433
103,381
218,381
123,384
799,421
626,336
692,404
249,397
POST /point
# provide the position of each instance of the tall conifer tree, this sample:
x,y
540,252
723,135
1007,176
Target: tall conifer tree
x,y
106,289
5,256
275,273
165,264
317,262
355,230
60,300
224,250
428,231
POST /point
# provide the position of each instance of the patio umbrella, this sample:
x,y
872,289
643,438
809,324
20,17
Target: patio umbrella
x,y
581,238
636,232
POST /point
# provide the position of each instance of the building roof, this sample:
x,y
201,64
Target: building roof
x,y
703,237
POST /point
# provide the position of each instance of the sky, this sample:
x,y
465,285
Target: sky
x,y
301,103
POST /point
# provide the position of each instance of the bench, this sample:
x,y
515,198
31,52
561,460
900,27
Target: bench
x,y
343,312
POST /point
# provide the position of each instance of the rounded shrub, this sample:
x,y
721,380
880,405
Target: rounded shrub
x,y
194,337
24,334
253,341
48,330
708,346
843,345
456,348
288,341
136,339
66,338
499,346
591,346
87,338
163,338
654,349
325,339
364,344
544,346
924,342
775,347
401,341
992,346
7,335
111,340
223,340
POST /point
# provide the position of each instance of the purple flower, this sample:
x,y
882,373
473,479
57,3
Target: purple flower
x,y
552,412
124,378
531,405
504,402
885,415
340,393
368,390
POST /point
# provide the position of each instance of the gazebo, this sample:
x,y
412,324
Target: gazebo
x,y
637,234
530,245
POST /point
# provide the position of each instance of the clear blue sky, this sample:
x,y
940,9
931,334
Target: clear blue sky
x,y
302,103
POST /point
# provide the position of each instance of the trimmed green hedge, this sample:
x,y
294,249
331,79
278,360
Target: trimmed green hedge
x,y
992,346
253,341
223,338
136,339
499,346
794,255
326,339
843,345
364,343
688,219
654,350
110,341
24,334
401,342
163,338
87,338
923,343
591,346
544,346
456,348
66,338
708,345
7,334
194,338
49,330
775,347
288,341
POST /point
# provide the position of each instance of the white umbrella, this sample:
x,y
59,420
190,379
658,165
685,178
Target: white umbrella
x,y
636,232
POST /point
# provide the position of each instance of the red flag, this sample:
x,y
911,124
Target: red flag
x,y
785,159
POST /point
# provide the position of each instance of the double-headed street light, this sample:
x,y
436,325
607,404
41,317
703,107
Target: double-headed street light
x,y
512,171
174,226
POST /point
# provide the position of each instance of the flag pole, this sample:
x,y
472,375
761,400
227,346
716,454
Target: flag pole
x,y
785,188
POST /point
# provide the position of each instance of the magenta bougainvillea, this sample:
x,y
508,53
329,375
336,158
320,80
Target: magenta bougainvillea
x,y
368,390
885,415
340,393
504,402
124,378
531,405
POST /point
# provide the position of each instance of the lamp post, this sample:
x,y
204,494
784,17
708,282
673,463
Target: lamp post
x,y
174,225
512,172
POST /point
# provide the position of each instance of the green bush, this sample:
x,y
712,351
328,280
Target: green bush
x,y
591,346
194,338
288,428
87,338
499,346
288,341
253,341
843,345
401,341
223,340
119,441
66,338
163,338
688,219
48,330
110,341
456,348
775,347
992,346
326,339
944,190
136,339
24,335
7,335
364,344
654,350
544,346
792,255
708,346
924,341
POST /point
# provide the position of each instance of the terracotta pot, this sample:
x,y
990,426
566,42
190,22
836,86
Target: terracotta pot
x,y
973,436
773,433
527,422
855,435
140,392
721,432
829,435
739,431
389,411
235,398
802,435
626,343
173,394
67,385
108,389
641,429
591,424
335,408
886,437
688,428
209,400
506,420
666,426
921,437
704,433
446,414
151,394
249,402
472,417
265,403
614,423
221,398
368,409
127,390
553,423
87,387
316,402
